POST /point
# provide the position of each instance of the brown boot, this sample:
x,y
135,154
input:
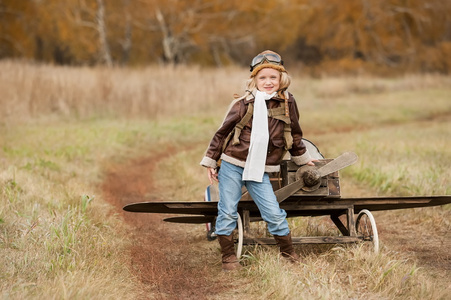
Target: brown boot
x,y
286,247
229,259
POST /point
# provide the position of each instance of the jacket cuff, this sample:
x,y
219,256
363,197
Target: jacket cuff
x,y
208,162
302,159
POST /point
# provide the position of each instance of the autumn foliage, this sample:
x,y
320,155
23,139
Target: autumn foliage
x,y
322,35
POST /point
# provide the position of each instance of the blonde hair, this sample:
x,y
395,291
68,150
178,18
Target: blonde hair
x,y
285,81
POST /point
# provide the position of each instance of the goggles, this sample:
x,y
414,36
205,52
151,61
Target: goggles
x,y
272,58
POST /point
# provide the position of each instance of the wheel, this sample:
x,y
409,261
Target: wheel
x,y
365,226
211,235
239,248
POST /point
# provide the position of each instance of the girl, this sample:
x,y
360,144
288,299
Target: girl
x,y
256,133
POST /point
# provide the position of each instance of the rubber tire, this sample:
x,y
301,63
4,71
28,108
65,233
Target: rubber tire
x,y
370,232
239,245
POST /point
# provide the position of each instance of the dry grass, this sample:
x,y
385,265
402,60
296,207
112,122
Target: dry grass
x,y
31,91
60,125
43,91
57,240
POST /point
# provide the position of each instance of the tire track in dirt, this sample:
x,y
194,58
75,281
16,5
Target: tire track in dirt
x,y
161,255
429,249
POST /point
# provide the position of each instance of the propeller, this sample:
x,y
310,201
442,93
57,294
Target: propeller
x,y
312,177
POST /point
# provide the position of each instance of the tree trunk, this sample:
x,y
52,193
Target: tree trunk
x,y
101,28
127,42
169,54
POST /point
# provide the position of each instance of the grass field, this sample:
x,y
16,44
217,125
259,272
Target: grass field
x,y
62,129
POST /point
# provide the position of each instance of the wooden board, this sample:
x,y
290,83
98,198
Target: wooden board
x,y
188,208
295,206
191,219
305,240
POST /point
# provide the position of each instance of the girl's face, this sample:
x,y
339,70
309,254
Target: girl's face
x,y
268,80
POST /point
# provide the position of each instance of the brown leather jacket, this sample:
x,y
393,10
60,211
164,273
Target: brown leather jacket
x,y
237,154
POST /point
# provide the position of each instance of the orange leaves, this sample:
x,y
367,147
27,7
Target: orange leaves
x,y
394,33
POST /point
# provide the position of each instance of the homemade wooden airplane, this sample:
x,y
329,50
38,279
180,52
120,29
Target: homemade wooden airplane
x,y
301,191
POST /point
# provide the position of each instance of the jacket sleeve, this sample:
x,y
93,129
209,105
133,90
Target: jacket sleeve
x,y
214,150
299,153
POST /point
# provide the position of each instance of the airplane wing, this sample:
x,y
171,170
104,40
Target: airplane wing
x,y
188,208
391,203
295,206
191,219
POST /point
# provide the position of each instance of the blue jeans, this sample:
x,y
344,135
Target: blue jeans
x,y
230,183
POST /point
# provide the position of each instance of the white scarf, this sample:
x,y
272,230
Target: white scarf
x,y
256,158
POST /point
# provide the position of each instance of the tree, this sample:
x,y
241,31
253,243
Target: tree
x,y
184,27
93,17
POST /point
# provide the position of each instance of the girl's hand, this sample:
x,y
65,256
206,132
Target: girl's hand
x,y
212,175
310,163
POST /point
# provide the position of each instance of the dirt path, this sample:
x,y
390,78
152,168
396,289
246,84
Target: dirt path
x,y
163,255
170,264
